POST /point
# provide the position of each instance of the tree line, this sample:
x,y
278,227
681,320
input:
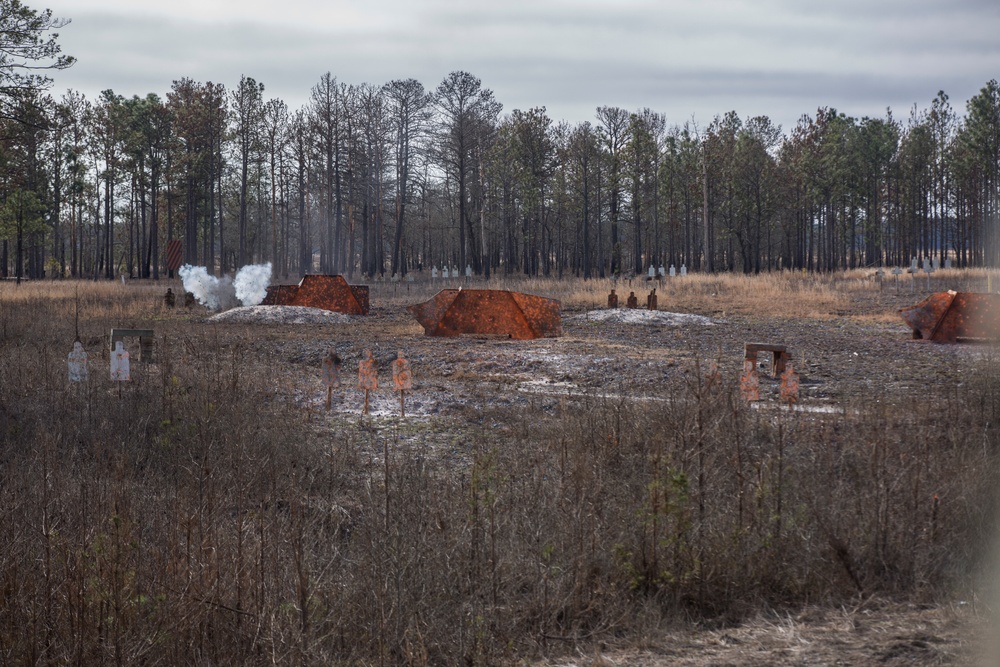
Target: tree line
x,y
385,180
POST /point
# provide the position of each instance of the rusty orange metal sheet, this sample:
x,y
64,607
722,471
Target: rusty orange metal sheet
x,y
368,372
750,381
327,292
950,317
402,376
492,312
331,369
789,386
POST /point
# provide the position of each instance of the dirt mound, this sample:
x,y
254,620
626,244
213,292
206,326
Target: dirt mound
x,y
639,316
280,315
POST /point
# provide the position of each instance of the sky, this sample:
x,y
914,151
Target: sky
x,y
691,60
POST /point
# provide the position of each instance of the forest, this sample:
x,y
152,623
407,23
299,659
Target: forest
x,y
383,180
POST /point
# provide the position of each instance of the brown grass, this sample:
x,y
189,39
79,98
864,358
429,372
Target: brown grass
x,y
202,518
793,294
806,296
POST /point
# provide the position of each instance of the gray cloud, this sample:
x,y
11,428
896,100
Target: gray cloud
x,y
776,58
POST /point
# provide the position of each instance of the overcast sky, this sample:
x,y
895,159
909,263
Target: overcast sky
x,y
684,58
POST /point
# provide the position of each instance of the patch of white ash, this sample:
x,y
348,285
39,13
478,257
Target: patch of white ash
x,y
641,316
280,315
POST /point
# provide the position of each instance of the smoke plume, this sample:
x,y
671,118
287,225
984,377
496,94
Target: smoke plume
x,y
224,293
251,283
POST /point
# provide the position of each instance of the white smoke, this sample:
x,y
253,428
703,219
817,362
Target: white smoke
x,y
211,292
249,287
251,283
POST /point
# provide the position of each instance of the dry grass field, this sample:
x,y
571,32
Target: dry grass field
x,y
601,498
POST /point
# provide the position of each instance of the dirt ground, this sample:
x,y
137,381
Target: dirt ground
x,y
634,353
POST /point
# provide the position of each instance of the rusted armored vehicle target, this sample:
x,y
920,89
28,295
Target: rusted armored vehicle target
x,y
327,292
455,312
951,317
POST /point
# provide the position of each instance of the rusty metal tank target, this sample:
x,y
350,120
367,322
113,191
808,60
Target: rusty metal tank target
x,y
489,312
951,317
327,292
